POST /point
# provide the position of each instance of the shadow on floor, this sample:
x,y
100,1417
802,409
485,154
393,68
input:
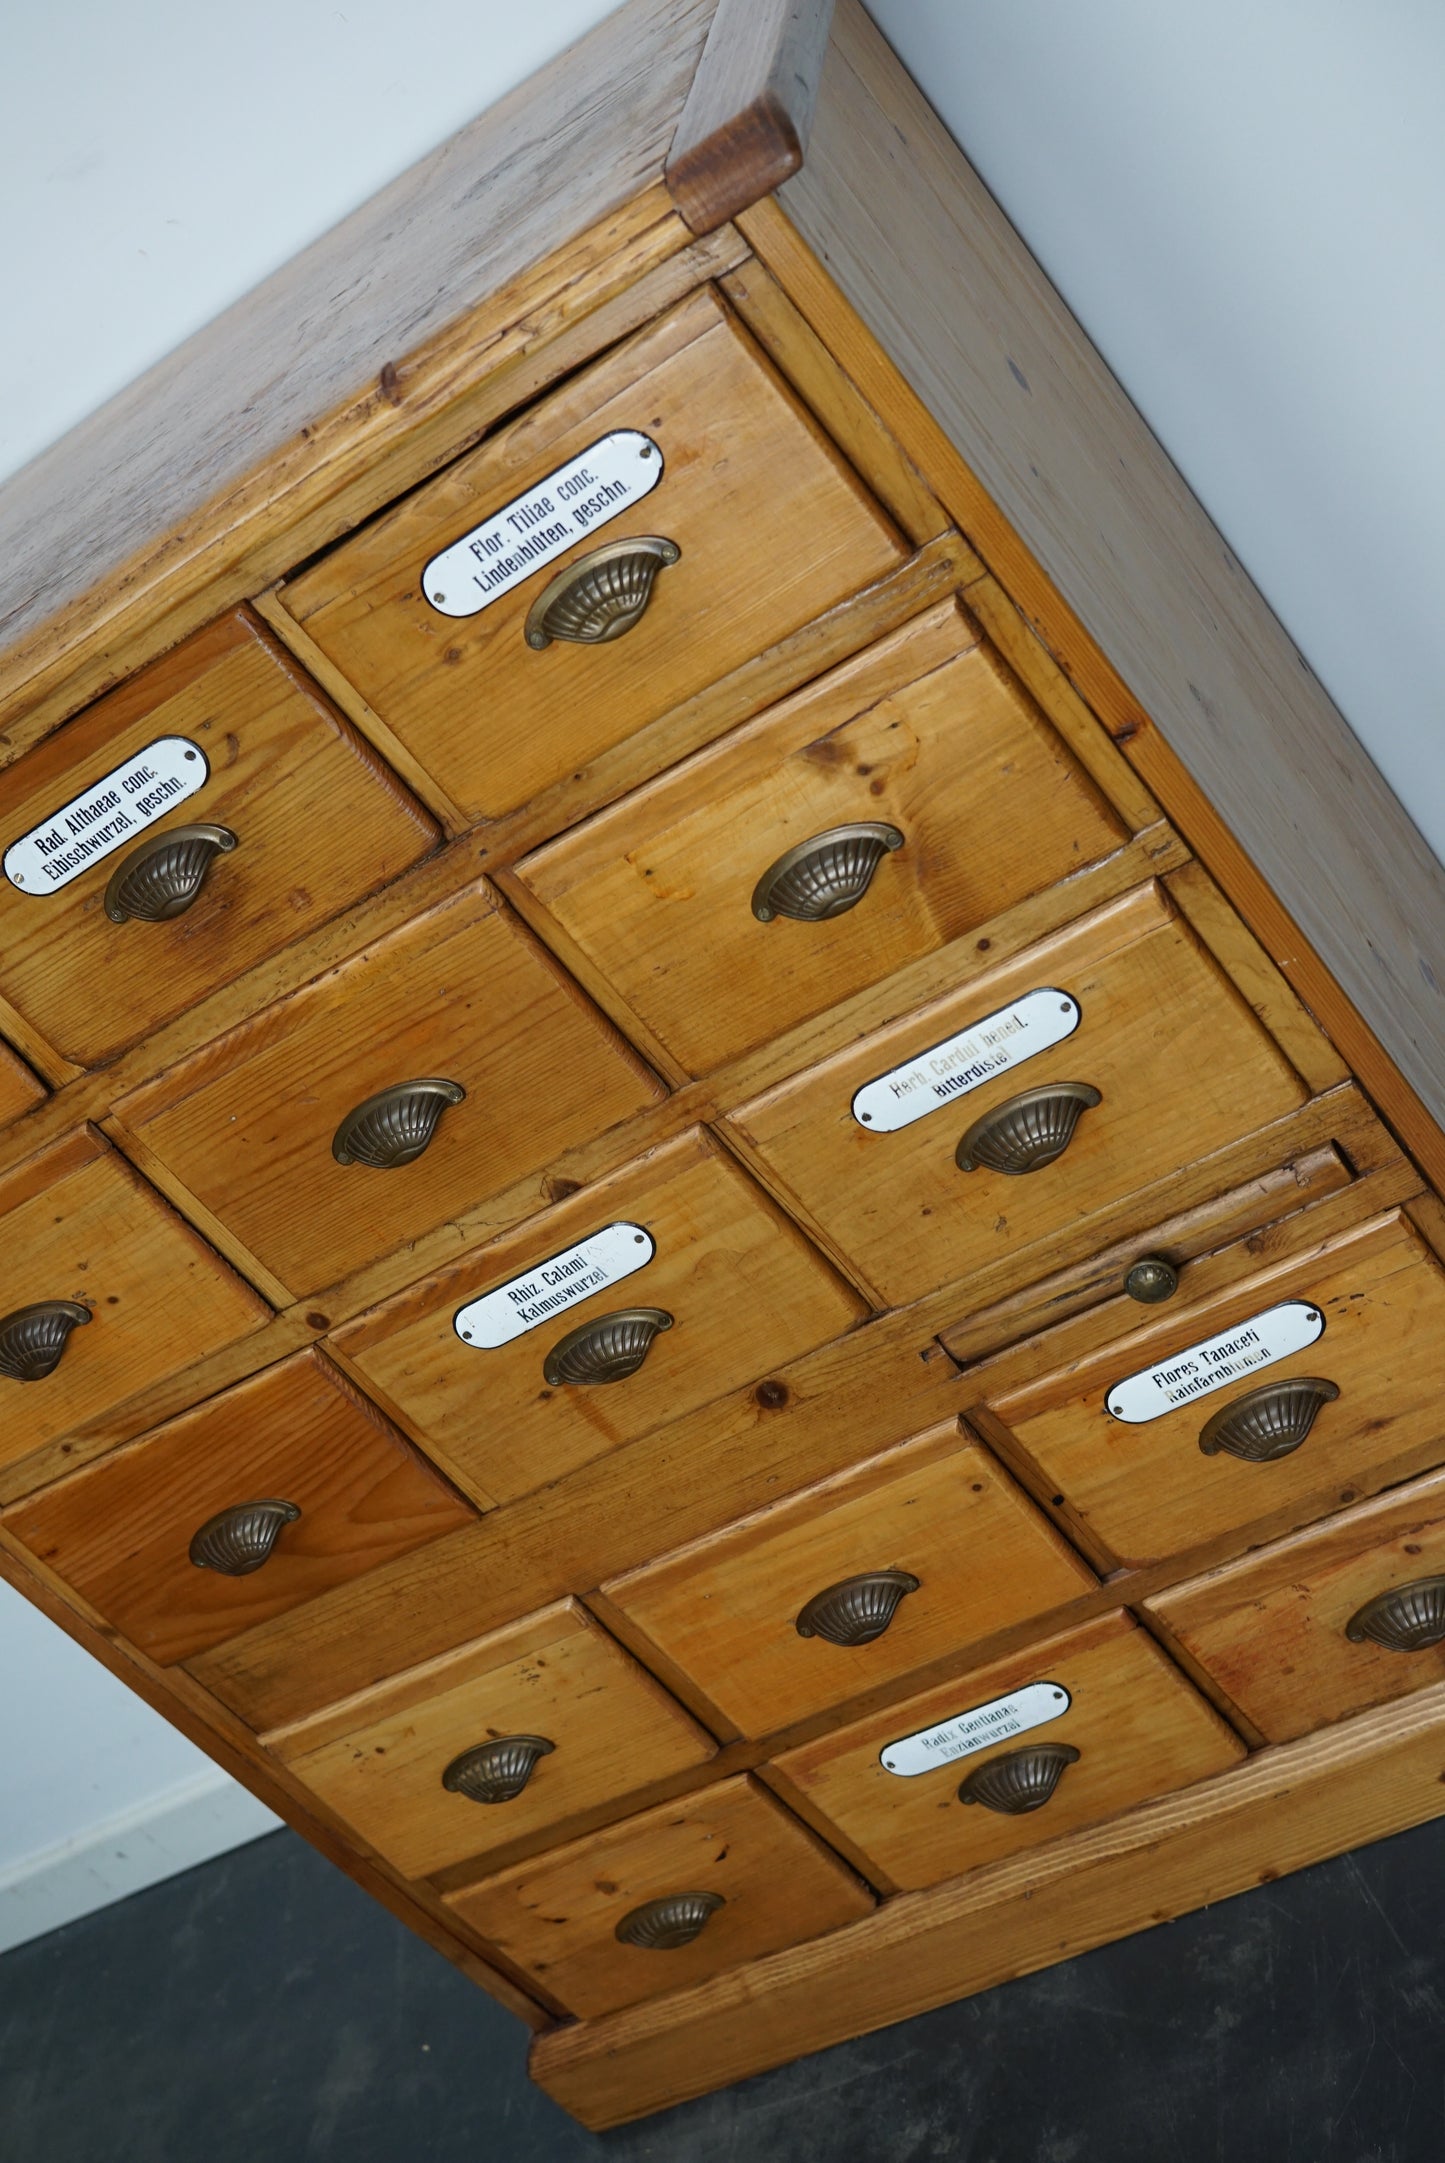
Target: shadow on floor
x,y
262,2008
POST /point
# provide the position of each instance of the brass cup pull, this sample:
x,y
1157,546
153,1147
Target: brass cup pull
x,y
1020,1780
1028,1131
496,1772
237,1541
663,1926
824,877
33,1338
160,879
856,1610
1267,1423
393,1127
600,596
1410,1618
607,1349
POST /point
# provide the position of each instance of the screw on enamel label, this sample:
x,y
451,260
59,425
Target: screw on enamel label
x,y
548,1289
107,816
967,1060
533,530
977,1729
1228,1357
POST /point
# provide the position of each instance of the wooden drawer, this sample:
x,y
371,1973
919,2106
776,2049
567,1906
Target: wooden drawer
x,y
725,1611
1179,1061
1139,1729
20,1090
772,527
78,1225
461,994
120,1533
378,1760
742,1288
317,819
557,1918
1272,1630
926,734
1146,1488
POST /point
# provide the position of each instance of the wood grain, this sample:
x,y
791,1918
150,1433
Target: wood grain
x,y
1182,1066
924,732
724,1609
745,1290
556,1918
378,1760
1147,1490
77,1223
319,823
496,721
1281,1811
745,125
1269,1629
1139,1728
311,402
461,993
20,1090
119,1532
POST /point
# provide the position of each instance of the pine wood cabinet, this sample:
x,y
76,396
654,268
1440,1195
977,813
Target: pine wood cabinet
x,y
720,1148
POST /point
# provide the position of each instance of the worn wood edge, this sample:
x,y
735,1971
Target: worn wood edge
x,y
228,1744
781,247
1286,1808
744,127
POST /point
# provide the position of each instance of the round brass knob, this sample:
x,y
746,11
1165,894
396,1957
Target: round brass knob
x,y
1409,1618
32,1339
607,1349
1152,1280
1269,1422
237,1541
662,1926
600,596
1020,1780
164,876
496,1772
1028,1131
824,877
856,1610
393,1127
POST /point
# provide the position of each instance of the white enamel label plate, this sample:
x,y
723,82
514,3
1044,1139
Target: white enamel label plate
x,y
585,494
1265,1338
603,1258
107,816
977,1729
963,1062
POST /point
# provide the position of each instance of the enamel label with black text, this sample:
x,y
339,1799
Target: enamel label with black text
x,y
107,816
532,530
962,1062
603,1258
978,1729
1227,1357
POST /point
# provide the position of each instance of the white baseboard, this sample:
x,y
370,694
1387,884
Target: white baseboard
x,y
174,1831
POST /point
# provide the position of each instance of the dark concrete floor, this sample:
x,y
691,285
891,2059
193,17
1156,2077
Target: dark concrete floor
x,y
261,2010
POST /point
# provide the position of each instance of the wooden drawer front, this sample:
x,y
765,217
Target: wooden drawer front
x,y
773,529
378,1760
925,734
20,1090
1181,1064
1148,1489
318,822
120,1532
744,1290
77,1224
556,1918
461,994
1272,1629
725,1611
1138,1726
